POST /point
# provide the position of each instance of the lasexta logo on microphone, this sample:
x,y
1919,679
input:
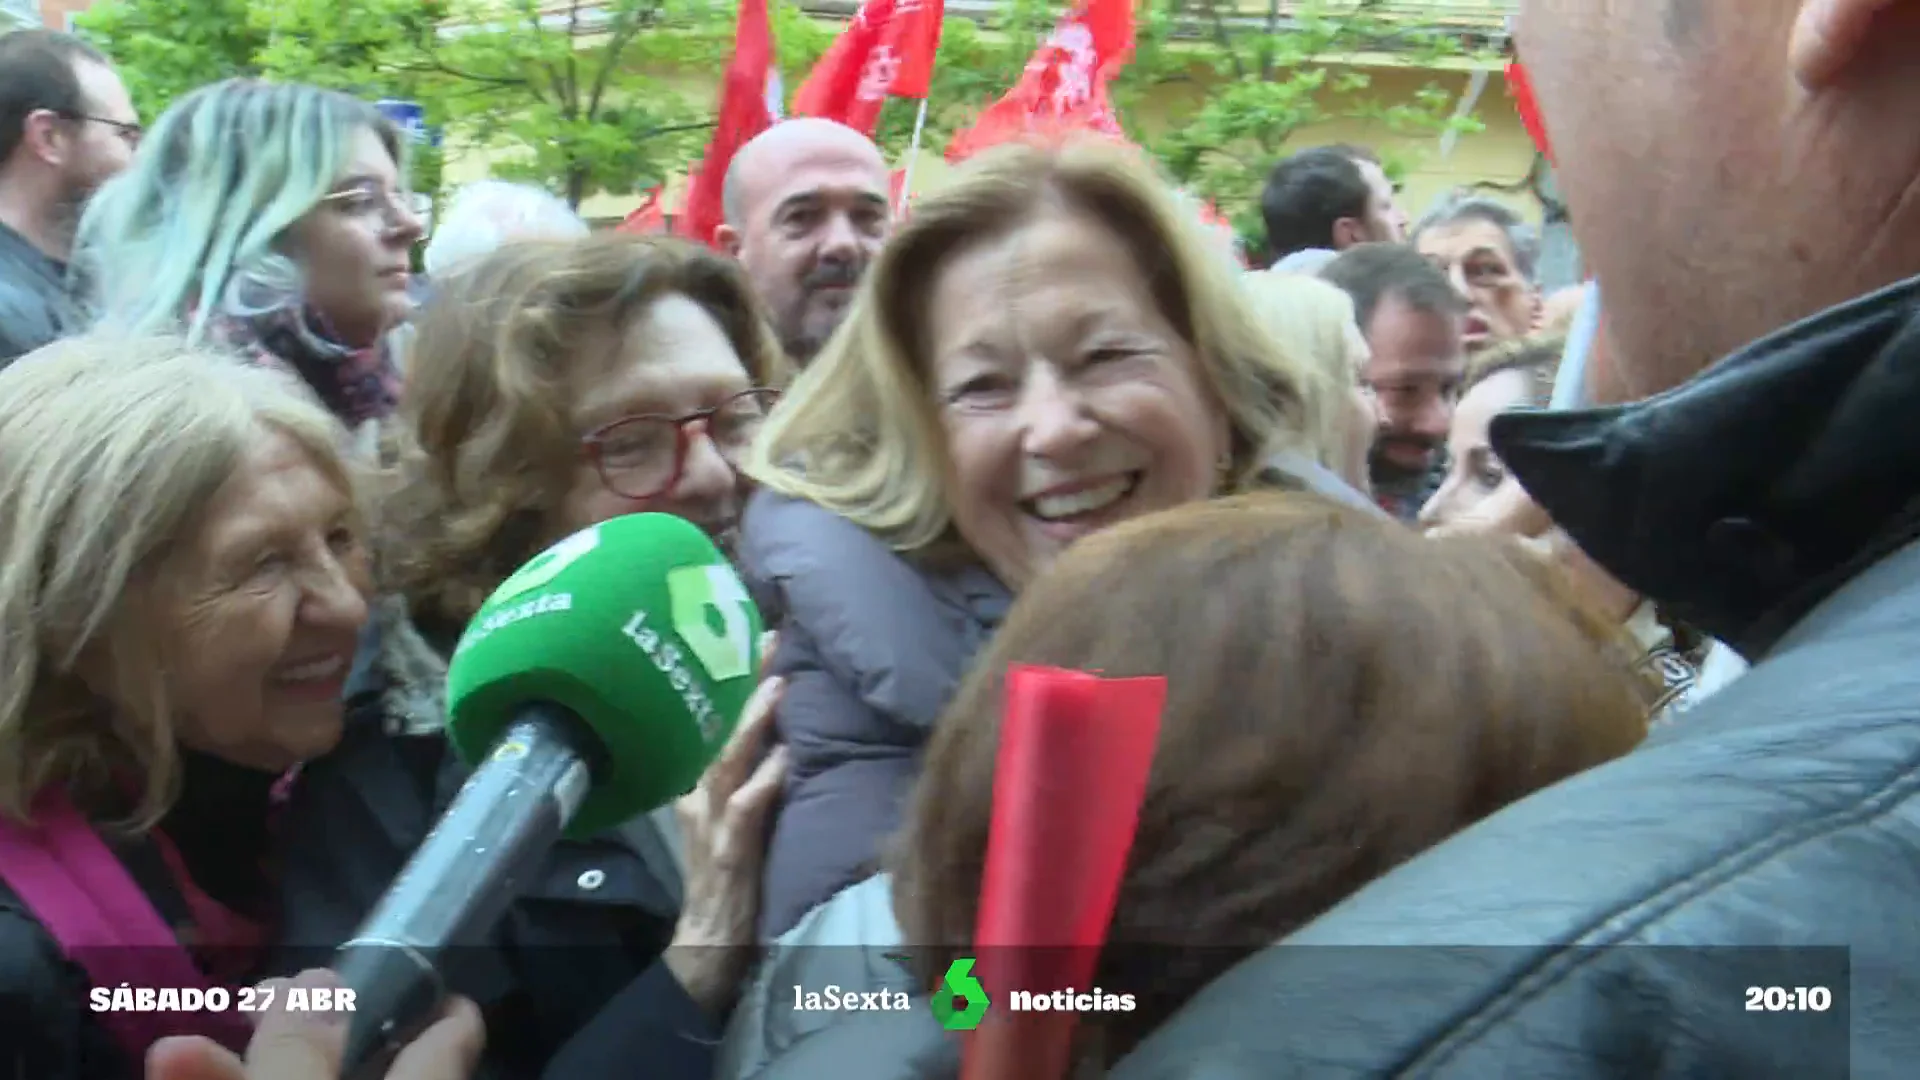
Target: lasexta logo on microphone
x,y
592,626
710,614
961,1001
547,565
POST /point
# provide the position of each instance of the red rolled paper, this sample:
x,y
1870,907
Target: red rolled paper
x,y
1075,752
1523,102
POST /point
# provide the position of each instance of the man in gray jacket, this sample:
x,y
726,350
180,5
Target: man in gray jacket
x,y
1739,171
66,126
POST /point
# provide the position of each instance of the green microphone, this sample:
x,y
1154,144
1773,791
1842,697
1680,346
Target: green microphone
x,y
637,626
595,684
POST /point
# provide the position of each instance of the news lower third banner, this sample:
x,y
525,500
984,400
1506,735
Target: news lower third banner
x,y
1645,1011
1640,1010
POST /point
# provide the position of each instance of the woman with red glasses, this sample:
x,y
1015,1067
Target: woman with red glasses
x,y
552,385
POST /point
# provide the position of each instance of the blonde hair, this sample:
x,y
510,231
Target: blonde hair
x,y
1312,322
486,447
111,450
859,432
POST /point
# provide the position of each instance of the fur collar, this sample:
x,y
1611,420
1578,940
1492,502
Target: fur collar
x,y
409,671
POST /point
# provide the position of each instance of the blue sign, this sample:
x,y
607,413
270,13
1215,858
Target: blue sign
x,y
411,118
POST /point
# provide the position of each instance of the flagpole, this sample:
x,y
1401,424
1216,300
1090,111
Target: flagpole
x,y
913,155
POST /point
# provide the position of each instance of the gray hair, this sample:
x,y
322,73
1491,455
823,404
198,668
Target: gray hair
x,y
1522,238
111,451
488,213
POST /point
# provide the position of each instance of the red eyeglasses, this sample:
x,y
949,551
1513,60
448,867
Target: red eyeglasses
x,y
640,457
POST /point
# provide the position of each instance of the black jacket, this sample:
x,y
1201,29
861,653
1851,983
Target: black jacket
x,y
1774,502
590,925
220,828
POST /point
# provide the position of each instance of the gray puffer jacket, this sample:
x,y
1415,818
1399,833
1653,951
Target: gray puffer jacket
x,y
872,647
845,951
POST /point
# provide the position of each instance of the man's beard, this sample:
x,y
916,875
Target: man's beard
x,y
1389,473
70,206
800,343
801,340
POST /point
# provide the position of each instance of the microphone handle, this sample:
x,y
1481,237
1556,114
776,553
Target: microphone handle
x,y
461,879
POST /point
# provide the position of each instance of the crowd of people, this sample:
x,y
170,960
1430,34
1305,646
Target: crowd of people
x,y
1448,667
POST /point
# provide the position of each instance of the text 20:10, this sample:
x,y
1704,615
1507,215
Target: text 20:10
x,y
1789,999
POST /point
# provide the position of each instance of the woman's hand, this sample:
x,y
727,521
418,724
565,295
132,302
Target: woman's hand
x,y
723,823
308,1046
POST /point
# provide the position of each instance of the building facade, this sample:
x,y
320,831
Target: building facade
x,y
53,14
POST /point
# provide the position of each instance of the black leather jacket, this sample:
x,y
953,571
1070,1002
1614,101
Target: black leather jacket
x,y
1774,503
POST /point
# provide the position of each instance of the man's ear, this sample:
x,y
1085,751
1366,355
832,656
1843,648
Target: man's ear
x,y
1829,35
1347,232
728,238
41,135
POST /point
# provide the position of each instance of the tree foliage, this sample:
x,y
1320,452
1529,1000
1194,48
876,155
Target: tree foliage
x,y
1258,80
1272,72
165,48
581,92
617,95
578,97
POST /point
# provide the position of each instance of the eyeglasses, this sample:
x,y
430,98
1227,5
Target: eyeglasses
x,y
393,205
129,132
639,457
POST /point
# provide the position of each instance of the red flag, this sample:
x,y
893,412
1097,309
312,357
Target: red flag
x,y
1216,222
746,109
886,51
1075,753
649,217
1064,87
1521,88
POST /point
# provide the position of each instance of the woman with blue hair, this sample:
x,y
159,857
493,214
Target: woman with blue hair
x,y
273,220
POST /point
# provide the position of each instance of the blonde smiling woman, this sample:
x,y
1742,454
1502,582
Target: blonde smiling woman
x,y
1050,345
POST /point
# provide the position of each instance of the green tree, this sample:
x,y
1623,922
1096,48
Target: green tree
x,y
579,95
618,95
1260,75
1269,72
576,97
354,48
165,48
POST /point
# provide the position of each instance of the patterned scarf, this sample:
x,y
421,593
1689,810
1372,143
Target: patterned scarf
x,y
356,384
